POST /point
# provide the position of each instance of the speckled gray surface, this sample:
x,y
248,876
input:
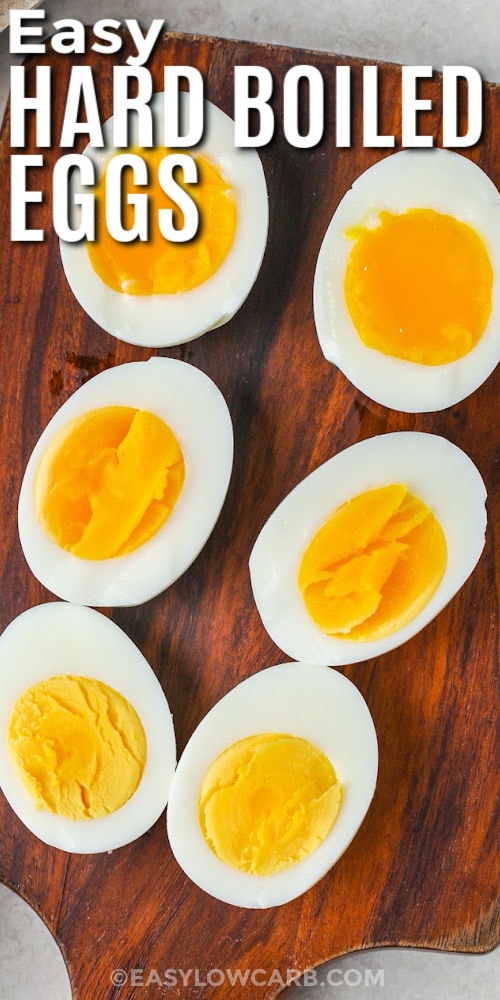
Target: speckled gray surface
x,y
423,32
31,964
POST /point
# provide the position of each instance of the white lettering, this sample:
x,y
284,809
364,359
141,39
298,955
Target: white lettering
x,y
316,106
114,198
70,37
143,43
343,107
310,977
40,104
276,979
353,977
411,105
374,978
451,76
176,132
153,978
235,976
243,104
106,30
215,977
63,208
259,977
81,88
20,197
169,978
332,975
179,196
19,29
371,136
123,105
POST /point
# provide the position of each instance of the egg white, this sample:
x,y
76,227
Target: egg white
x,y
449,184
192,406
433,469
53,639
168,319
315,703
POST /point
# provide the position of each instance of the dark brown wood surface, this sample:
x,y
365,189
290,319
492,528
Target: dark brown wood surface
x,y
421,870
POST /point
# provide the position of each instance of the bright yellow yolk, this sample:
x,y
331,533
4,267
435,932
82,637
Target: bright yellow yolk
x,y
268,801
79,746
158,265
418,286
373,565
108,481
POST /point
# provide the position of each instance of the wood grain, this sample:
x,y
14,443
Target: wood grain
x,y
423,868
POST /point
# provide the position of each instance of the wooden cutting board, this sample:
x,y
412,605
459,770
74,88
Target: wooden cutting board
x,y
422,869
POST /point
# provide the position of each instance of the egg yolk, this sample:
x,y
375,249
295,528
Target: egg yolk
x,y
373,565
159,265
108,481
418,286
268,801
79,746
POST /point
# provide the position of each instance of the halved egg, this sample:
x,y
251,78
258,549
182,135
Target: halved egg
x,y
406,288
88,748
369,548
158,293
273,785
126,483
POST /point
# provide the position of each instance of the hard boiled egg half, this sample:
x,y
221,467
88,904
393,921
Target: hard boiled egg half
x,y
407,282
126,483
369,548
273,785
157,292
87,754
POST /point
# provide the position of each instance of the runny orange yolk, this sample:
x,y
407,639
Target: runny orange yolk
x,y
267,801
373,565
418,286
158,265
108,481
79,746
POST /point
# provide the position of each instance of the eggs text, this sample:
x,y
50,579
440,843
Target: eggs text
x,y
153,262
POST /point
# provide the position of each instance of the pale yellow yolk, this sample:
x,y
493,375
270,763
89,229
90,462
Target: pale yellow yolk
x,y
373,565
108,481
268,801
159,265
79,746
418,286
